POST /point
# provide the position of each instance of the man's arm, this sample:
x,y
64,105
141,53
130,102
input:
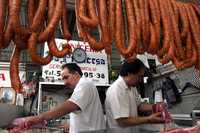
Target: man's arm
x,y
131,121
145,107
59,111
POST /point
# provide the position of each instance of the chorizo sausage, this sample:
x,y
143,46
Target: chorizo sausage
x,y
15,18
141,47
183,19
31,11
8,32
196,7
2,20
111,19
165,20
97,46
104,25
66,49
92,12
32,50
146,26
189,46
137,19
80,28
153,40
120,40
83,18
39,16
177,38
154,27
49,31
14,70
51,42
64,24
194,25
189,62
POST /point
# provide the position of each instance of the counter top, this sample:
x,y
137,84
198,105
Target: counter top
x,y
145,128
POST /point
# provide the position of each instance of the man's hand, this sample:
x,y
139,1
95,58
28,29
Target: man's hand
x,y
65,127
162,107
155,118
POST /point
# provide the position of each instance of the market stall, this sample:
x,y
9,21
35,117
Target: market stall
x,y
52,89
167,29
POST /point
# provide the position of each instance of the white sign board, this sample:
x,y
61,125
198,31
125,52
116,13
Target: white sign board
x,y
5,77
95,67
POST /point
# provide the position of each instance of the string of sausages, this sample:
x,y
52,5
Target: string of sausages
x,y
42,19
167,28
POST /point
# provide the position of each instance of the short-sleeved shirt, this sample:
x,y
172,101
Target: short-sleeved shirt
x,y
90,116
121,102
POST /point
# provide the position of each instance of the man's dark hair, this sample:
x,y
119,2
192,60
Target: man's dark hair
x,y
72,67
131,67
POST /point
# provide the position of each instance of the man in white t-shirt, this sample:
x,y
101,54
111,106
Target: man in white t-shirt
x,y
123,101
84,105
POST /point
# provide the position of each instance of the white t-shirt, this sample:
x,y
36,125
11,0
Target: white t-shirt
x,y
120,102
90,116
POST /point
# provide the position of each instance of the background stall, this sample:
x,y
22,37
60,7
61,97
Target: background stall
x,y
52,90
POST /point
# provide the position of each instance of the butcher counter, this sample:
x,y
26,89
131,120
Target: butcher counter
x,y
145,128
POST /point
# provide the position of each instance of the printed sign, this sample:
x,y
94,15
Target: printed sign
x,y
95,66
5,77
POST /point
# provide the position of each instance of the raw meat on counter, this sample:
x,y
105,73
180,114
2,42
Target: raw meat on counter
x,y
162,107
22,124
195,129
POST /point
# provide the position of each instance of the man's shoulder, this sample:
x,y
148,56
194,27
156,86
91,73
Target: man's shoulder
x,y
119,83
85,84
85,81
